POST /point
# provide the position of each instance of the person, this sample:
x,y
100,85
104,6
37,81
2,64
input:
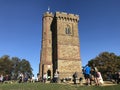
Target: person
x,y
75,76
115,77
45,77
56,76
1,78
99,78
20,78
26,78
95,74
33,79
118,77
92,76
87,70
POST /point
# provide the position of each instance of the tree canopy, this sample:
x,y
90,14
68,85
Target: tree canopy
x,y
13,66
106,63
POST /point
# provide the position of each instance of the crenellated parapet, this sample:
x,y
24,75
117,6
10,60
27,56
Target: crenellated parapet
x,y
48,14
63,16
67,17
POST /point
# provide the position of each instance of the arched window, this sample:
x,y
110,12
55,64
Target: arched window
x,y
68,30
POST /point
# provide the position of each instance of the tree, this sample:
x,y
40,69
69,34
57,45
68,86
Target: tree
x,y
15,71
25,67
106,63
13,66
5,65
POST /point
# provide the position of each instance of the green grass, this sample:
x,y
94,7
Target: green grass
x,y
42,86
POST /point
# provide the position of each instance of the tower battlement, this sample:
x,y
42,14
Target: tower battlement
x,y
63,15
48,14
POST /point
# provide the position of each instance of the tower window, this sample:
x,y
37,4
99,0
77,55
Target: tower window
x,y
68,30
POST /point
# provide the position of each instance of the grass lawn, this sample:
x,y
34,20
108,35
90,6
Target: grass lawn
x,y
42,86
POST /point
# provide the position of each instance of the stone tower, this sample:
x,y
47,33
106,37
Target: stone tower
x,y
60,45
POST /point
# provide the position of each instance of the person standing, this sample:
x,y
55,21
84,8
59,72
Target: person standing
x,y
20,78
1,78
45,77
33,79
118,77
75,76
87,70
56,76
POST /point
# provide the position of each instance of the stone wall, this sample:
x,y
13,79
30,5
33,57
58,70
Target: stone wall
x,y
60,44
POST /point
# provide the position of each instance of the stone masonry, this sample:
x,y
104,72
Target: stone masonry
x,y
60,45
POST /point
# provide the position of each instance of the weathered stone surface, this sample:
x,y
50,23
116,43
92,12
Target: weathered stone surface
x,y
68,52
60,45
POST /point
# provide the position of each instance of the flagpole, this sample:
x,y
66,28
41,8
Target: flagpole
x,y
48,9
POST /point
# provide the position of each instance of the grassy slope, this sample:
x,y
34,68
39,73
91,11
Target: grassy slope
x,y
40,86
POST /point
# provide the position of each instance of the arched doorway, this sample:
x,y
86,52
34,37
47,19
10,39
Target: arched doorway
x,y
49,75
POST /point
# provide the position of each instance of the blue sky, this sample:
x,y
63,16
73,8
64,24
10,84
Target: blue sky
x,y
21,27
